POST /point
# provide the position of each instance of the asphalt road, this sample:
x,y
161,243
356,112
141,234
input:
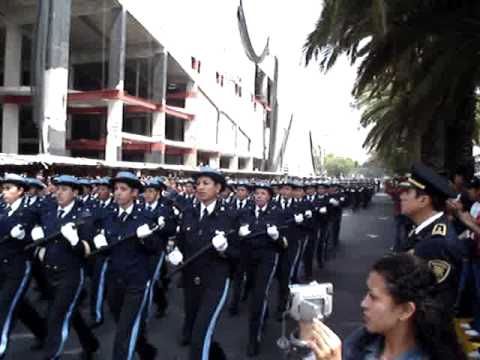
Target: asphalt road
x,y
365,236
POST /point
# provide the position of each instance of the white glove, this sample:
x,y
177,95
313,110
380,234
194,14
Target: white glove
x,y
323,210
308,214
41,253
70,233
161,222
342,199
100,240
37,233
298,218
17,232
272,231
176,212
219,241
175,257
144,231
333,202
244,230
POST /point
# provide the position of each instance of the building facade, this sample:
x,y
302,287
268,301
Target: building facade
x,y
136,81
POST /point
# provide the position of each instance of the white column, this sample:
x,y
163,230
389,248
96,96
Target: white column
x,y
214,161
118,35
55,77
160,70
233,163
12,77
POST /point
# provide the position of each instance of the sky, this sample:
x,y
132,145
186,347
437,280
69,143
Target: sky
x,y
320,102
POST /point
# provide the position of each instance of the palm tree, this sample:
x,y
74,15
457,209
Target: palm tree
x,y
419,61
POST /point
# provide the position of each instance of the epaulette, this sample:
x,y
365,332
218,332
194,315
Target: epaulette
x,y
440,229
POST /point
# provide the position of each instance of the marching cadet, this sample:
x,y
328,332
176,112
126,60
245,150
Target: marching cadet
x,y
63,259
102,208
241,280
337,200
159,209
293,216
126,236
36,188
187,197
303,208
276,191
36,202
434,238
312,231
87,197
16,221
322,207
207,280
228,194
262,254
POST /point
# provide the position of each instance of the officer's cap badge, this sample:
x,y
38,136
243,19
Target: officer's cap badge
x,y
441,269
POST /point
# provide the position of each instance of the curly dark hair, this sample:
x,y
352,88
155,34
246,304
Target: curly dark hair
x,y
410,279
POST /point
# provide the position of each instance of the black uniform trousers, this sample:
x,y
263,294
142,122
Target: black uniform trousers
x,y
157,292
128,304
262,264
64,287
322,242
203,306
285,271
98,283
337,222
15,275
242,278
309,253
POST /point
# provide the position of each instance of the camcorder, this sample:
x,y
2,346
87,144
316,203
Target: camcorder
x,y
310,301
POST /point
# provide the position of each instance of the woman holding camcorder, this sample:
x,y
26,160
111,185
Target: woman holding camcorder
x,y
403,317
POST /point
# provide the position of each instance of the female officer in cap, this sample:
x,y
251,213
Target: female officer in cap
x,y
262,256
207,279
158,207
129,277
15,266
63,259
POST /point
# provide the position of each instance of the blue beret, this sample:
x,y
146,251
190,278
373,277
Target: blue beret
x,y
35,183
15,179
212,173
152,183
128,178
67,180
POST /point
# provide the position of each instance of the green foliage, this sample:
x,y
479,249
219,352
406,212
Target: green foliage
x,y
418,63
339,166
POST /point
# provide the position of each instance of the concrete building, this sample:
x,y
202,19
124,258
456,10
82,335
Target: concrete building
x,y
127,80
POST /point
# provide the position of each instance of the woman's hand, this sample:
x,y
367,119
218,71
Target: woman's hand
x,y
325,344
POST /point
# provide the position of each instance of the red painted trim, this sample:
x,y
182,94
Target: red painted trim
x,y
176,113
264,103
182,95
17,99
128,145
112,95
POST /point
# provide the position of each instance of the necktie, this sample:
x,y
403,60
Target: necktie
x,y
149,208
123,216
8,209
204,214
60,214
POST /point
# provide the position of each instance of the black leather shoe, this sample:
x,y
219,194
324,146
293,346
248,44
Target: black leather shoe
x,y
184,340
88,355
38,345
149,352
252,349
233,310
